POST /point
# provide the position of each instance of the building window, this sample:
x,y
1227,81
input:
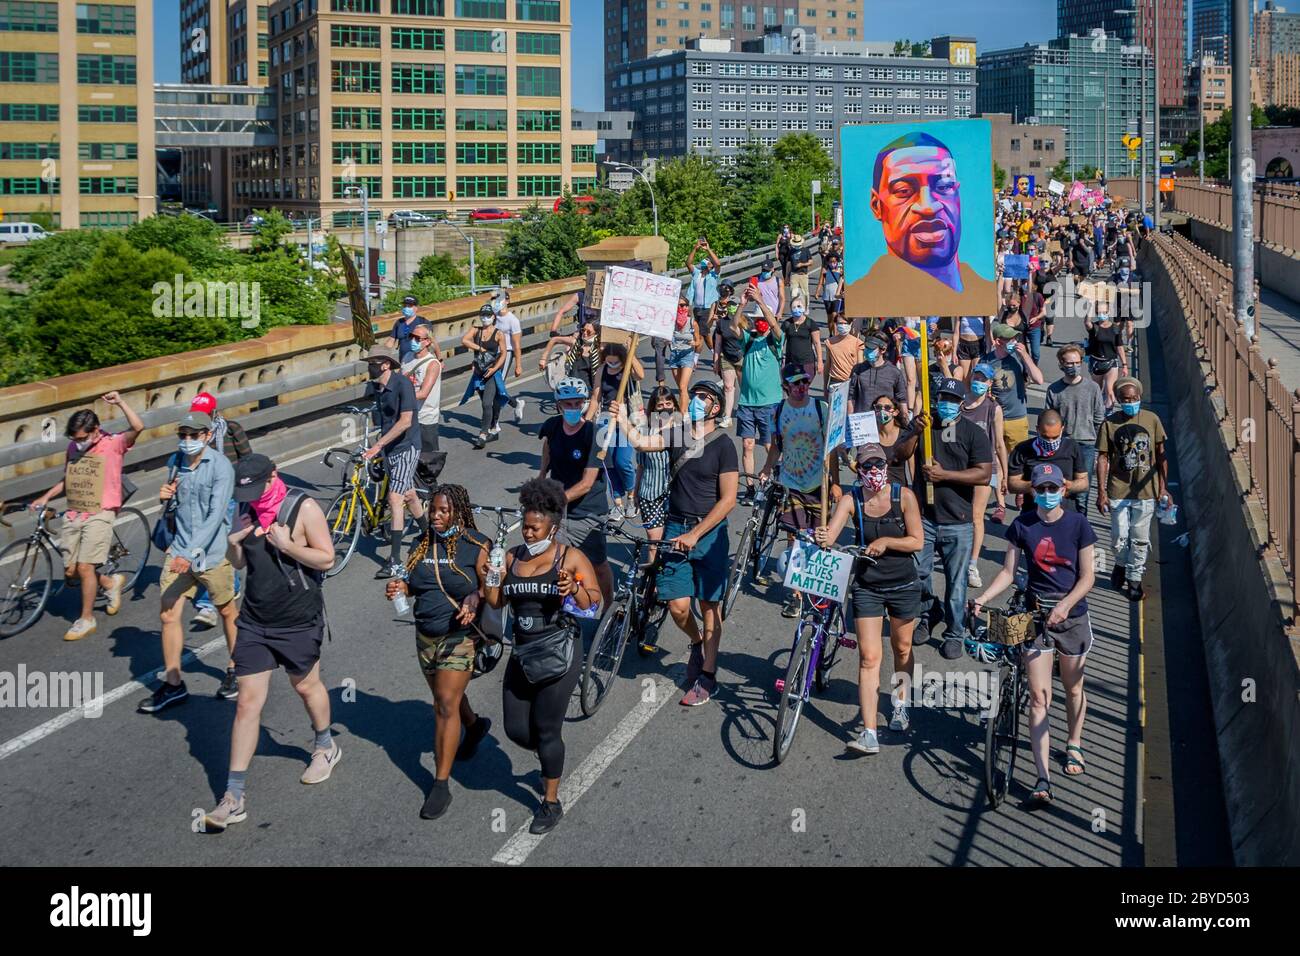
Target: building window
x,y
354,117
21,17
106,220
539,186
538,121
29,113
481,80
748,17
584,153
547,11
348,6
420,117
101,150
344,35
475,41
29,67
34,151
373,185
481,121
421,153
361,153
419,8
104,18
538,44
354,76
538,154
107,185
481,154
27,186
482,187
419,187
418,38
537,81
728,12
1015,146
106,70
480,9
106,114
582,184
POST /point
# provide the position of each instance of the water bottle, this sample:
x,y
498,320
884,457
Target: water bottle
x,y
496,562
1167,512
401,604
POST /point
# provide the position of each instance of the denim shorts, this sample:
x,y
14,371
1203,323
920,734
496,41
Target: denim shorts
x,y
703,573
681,358
755,421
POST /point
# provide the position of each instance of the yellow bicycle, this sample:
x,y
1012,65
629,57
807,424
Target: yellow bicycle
x,y
361,507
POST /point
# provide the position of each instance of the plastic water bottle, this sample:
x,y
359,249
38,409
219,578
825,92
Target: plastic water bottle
x,y
496,562
1167,512
401,604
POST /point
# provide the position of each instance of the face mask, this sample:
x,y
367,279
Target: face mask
x,y
190,446
537,547
265,507
1048,501
1048,445
761,326
408,310
873,479
884,416
979,388
83,445
947,411
1010,345
1071,370
764,276
417,344
797,313
614,367
571,415
451,530
375,371
697,409
872,356
842,328
1131,408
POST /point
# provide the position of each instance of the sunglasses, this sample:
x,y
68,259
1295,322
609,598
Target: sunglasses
x,y
871,463
1047,489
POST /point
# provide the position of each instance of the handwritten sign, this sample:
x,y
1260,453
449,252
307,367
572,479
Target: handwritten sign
x,y
595,288
837,410
1056,188
640,302
864,429
83,483
820,572
1077,189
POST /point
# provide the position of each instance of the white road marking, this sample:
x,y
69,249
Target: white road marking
x,y
69,717
519,846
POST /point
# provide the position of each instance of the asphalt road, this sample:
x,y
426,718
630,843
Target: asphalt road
x,y
647,781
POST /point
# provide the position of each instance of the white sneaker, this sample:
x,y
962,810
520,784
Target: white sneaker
x,y
114,595
865,743
495,431
725,422
81,627
973,577
519,409
899,720
206,617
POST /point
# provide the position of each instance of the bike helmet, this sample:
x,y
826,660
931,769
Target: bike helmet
x,y
572,388
983,651
376,469
714,390
487,657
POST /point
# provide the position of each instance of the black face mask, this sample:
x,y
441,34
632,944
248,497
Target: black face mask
x,y
376,369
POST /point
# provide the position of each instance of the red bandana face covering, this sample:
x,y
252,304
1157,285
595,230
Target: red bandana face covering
x,y
683,313
873,479
265,507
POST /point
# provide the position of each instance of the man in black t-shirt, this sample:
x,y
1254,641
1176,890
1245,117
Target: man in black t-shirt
x,y
963,459
399,442
1051,446
569,455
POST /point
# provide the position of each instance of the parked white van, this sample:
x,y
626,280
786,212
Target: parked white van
x,y
21,232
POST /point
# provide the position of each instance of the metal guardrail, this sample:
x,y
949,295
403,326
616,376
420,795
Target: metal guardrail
x,y
1277,210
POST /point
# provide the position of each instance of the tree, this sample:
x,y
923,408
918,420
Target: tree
x,y
196,239
921,49
1218,136
439,268
289,294
999,177
541,246
1061,171
42,264
268,234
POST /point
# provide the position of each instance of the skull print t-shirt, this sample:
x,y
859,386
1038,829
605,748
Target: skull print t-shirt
x,y
1130,443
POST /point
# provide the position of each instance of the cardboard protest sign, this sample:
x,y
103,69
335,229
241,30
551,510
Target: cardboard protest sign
x,y
640,302
1015,267
864,429
1056,188
819,572
83,483
836,411
595,288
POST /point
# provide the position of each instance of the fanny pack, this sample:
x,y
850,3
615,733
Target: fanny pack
x,y
1103,365
549,657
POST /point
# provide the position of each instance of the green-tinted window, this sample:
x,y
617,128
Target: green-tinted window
x,y
105,69
481,80
418,8
480,154
539,185
29,67
582,184
106,114
419,187
432,118
107,150
374,186
29,150
106,18
355,117
363,153
533,154
107,220
422,153
418,78
482,187
29,112
481,9
347,35
538,44
261,66
584,153
481,121
27,186
21,17
537,80
418,38
354,76
354,6
538,121
545,10
107,185
475,41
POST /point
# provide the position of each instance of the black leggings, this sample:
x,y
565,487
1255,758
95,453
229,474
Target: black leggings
x,y
491,405
534,713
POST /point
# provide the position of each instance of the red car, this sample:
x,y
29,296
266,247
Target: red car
x,y
584,204
491,212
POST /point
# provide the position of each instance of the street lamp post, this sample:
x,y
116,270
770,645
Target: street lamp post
x,y
473,276
1136,13
653,205
365,230
1200,103
1243,173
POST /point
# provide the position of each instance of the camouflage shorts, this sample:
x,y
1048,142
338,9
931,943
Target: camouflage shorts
x,y
451,652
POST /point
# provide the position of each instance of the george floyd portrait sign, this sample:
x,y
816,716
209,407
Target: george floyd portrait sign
x,y
918,219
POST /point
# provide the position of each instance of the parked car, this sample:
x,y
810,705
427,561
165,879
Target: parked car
x,y
490,213
21,232
409,217
252,220
584,204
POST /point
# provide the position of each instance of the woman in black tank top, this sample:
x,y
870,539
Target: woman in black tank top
x,y
535,580
887,522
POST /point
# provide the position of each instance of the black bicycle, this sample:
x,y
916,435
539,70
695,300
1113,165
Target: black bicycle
x,y
635,614
754,552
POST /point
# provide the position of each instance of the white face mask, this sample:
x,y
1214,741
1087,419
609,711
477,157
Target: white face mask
x,y
191,446
537,547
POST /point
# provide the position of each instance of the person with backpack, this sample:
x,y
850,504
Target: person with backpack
x,y
760,382
424,369
887,522
284,542
803,341
728,353
201,482
876,376
487,344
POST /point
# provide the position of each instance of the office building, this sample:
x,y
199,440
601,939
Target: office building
x,y
1026,149
1277,55
1129,18
711,100
1212,20
1212,88
1092,90
76,103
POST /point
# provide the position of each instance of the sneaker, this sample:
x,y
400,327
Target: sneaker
x,y
228,811
519,409
437,802
899,720
81,627
865,743
615,515
547,817
630,510
494,435
701,692
1136,591
792,606
694,664
726,422
1117,576
114,594
166,695
973,577
474,735
952,648
480,442
205,618
322,764
921,635
229,689
392,571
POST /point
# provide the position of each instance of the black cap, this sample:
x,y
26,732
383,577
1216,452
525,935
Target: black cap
x,y
768,265
795,372
252,472
951,386
410,300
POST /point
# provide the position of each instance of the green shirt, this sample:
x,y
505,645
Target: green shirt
x,y
760,382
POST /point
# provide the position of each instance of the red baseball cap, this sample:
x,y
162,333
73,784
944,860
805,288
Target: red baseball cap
x,y
205,403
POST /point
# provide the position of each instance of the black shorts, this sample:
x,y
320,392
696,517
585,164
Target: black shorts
x,y
968,349
259,648
428,440
903,603
587,534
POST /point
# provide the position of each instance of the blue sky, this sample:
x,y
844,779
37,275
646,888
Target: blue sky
x,y
994,25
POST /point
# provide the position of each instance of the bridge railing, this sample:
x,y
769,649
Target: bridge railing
x,y
1277,210
1260,411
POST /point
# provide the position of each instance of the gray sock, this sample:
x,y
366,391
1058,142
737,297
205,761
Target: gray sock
x,y
324,739
235,783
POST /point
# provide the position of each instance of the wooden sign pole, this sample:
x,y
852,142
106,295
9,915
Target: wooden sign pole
x,y
618,399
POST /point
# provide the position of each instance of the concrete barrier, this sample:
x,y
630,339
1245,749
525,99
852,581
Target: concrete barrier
x,y
1243,600
1276,269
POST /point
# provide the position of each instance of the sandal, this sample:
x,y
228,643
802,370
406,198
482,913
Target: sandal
x,y
1041,795
1074,766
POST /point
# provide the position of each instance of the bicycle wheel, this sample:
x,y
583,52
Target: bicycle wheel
x,y
792,696
129,552
345,528
768,532
1000,736
739,566
604,656
830,650
26,579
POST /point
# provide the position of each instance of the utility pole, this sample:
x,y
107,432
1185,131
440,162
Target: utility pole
x,y
1155,79
1243,173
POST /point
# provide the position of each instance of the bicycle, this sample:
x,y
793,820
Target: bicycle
x,y
1001,641
755,548
26,588
635,613
818,637
362,506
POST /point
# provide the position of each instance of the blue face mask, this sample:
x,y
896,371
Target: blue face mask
x,y
873,355
947,410
979,388
451,530
796,313
571,415
1131,408
408,310
764,276
697,409
1048,500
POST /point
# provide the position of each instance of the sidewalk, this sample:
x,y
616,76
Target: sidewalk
x,y
1279,334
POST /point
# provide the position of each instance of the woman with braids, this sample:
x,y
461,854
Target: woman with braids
x,y
537,578
443,578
